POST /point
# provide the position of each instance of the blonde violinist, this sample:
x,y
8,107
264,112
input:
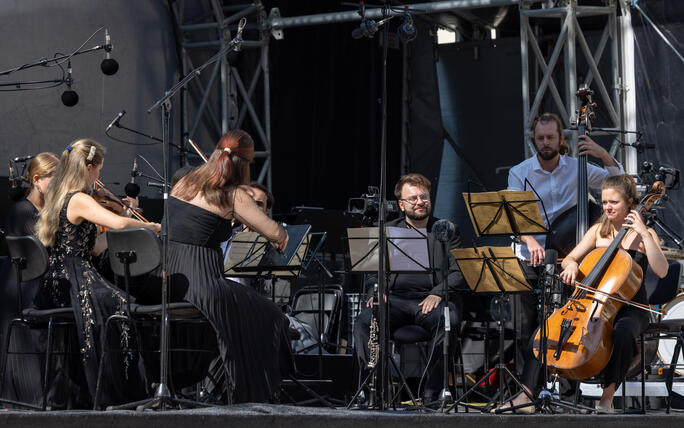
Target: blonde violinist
x,y
67,225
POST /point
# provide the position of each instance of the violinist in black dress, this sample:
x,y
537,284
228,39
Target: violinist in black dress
x,y
251,331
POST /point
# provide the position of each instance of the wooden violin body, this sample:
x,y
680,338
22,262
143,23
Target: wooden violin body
x,y
583,326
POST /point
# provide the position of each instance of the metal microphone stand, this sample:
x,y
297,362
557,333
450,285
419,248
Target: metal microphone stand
x,y
162,396
445,396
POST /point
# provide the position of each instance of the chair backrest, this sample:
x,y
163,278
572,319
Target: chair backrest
x,y
31,253
143,242
305,306
662,290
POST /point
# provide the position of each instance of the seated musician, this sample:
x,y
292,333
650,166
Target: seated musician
x,y
619,198
553,175
416,299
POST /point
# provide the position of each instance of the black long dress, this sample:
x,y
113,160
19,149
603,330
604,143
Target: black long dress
x,y
628,325
71,280
251,331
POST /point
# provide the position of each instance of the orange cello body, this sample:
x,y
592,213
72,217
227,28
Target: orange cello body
x,y
583,325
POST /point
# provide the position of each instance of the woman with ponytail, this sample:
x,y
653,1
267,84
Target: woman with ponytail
x,y
67,225
250,330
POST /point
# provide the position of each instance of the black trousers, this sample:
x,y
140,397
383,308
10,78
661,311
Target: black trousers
x,y
403,312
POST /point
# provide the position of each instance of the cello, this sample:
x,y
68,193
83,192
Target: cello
x,y
579,335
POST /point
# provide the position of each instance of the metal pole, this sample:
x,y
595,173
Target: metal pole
x,y
525,61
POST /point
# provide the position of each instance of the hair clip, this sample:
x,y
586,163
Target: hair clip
x,y
227,149
69,148
91,153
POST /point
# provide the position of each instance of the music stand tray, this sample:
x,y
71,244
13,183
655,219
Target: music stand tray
x,y
250,255
492,270
407,250
507,212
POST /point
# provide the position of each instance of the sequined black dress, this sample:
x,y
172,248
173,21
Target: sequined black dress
x,y
72,281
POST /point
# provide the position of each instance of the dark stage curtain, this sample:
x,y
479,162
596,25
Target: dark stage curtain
x,y
325,87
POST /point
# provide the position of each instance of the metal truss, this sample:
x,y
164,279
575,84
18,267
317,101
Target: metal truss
x,y
223,100
570,39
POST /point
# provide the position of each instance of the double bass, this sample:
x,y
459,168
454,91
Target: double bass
x,y
579,335
571,225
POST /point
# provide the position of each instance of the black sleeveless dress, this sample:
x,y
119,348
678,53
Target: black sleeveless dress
x,y
251,331
628,325
71,280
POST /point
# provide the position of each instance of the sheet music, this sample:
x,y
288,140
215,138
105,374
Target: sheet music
x,y
363,248
408,249
246,250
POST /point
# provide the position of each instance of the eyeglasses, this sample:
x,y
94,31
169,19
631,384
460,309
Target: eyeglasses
x,y
425,197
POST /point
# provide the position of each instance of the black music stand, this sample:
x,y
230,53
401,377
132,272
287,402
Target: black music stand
x,y
506,213
495,271
406,252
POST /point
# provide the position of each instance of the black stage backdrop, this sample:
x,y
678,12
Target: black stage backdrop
x,y
326,114
659,94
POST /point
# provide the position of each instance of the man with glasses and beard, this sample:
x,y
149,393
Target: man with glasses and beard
x,y
417,298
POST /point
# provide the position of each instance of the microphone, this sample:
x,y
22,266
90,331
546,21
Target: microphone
x,y
238,37
640,146
443,230
368,28
16,192
108,65
407,31
116,120
155,184
69,97
22,159
132,189
662,170
550,282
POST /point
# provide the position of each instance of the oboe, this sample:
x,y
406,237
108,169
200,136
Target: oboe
x,y
373,346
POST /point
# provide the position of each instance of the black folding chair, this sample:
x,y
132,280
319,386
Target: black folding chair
x,y
30,260
305,307
135,252
661,291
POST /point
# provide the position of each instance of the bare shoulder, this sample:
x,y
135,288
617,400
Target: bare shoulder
x,y
81,198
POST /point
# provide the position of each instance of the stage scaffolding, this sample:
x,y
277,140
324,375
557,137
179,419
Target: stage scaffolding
x,y
224,100
617,102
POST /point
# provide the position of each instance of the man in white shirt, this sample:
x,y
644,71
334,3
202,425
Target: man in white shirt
x,y
553,175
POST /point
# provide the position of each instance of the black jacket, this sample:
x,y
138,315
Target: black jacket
x,y
419,286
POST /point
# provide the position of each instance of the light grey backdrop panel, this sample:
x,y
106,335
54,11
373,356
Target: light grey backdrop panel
x,y
34,121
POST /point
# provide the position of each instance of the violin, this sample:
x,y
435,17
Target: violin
x,y
113,203
579,334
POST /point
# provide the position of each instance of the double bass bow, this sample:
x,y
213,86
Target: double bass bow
x,y
579,334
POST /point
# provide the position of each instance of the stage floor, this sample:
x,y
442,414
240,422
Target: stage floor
x,y
262,415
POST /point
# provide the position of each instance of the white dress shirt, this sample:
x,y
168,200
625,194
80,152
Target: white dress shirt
x,y
556,189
